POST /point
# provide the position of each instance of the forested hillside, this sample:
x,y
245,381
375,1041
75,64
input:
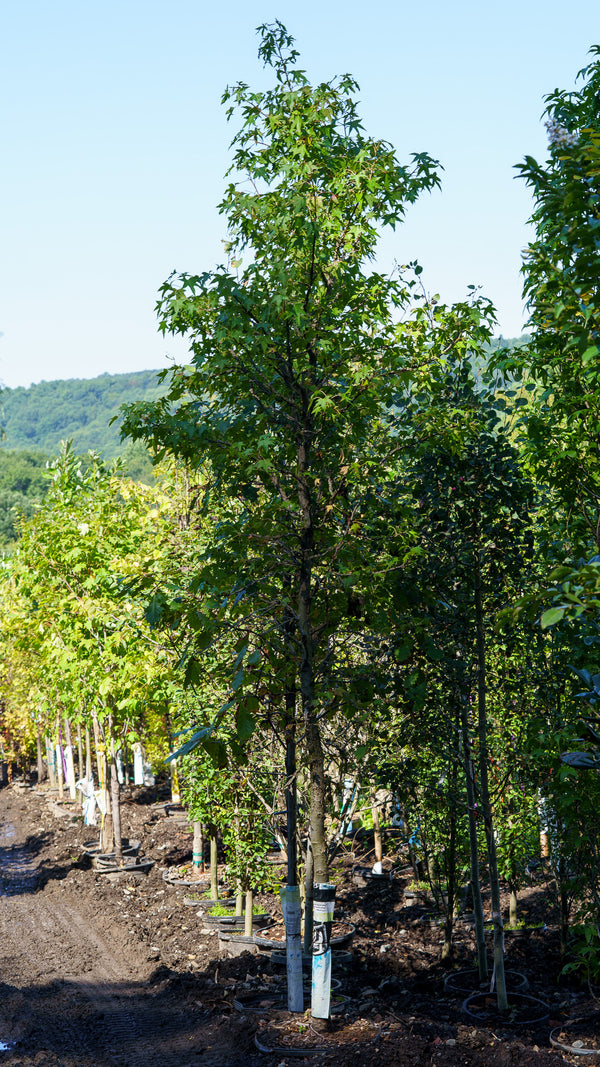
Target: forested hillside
x,y
40,417
37,419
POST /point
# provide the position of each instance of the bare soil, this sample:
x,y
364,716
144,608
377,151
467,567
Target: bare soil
x,y
117,970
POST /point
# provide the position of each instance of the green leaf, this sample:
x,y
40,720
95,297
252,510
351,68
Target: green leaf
x,y
551,616
245,723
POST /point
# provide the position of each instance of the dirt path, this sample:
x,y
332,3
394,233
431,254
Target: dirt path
x,y
73,993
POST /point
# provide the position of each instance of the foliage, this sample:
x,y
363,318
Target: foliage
x,y
561,272
23,484
66,604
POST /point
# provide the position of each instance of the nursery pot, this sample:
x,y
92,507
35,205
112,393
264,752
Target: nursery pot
x,y
341,958
576,1037
523,1010
236,922
462,982
92,848
341,934
132,866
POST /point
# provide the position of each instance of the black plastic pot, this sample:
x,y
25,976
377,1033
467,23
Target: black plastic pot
x,y
101,860
361,876
517,1003
576,1046
236,923
462,982
260,1003
339,958
272,1049
134,867
524,931
92,848
206,902
184,883
343,935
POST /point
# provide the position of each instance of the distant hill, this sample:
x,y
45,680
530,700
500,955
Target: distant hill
x,y
37,419
40,417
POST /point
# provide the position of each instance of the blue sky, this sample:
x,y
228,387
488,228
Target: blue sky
x,y
114,145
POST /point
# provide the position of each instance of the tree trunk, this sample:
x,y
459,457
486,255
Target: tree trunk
x,y
59,763
290,786
450,871
79,752
377,838
69,760
175,791
248,916
485,796
88,754
482,964
314,746
214,865
198,848
316,765
239,900
106,826
115,789
512,907
308,899
41,769
51,762
564,918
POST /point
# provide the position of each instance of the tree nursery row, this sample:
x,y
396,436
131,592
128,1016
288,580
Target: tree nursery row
x,y
365,586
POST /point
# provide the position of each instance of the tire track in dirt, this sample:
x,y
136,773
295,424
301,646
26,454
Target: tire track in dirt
x,y
66,994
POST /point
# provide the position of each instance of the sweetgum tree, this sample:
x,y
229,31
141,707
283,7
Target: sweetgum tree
x,y
296,354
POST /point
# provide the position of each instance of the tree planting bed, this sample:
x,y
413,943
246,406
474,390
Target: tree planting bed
x,y
100,974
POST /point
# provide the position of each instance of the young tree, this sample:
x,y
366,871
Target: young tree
x,y
296,351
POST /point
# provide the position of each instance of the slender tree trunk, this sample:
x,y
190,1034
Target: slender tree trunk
x,y
124,751
290,895
482,964
115,790
316,764
377,838
88,754
450,869
41,769
485,796
198,848
79,752
563,897
291,786
106,829
214,864
314,746
51,761
513,916
175,791
59,762
239,895
308,899
69,760
239,900
248,918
